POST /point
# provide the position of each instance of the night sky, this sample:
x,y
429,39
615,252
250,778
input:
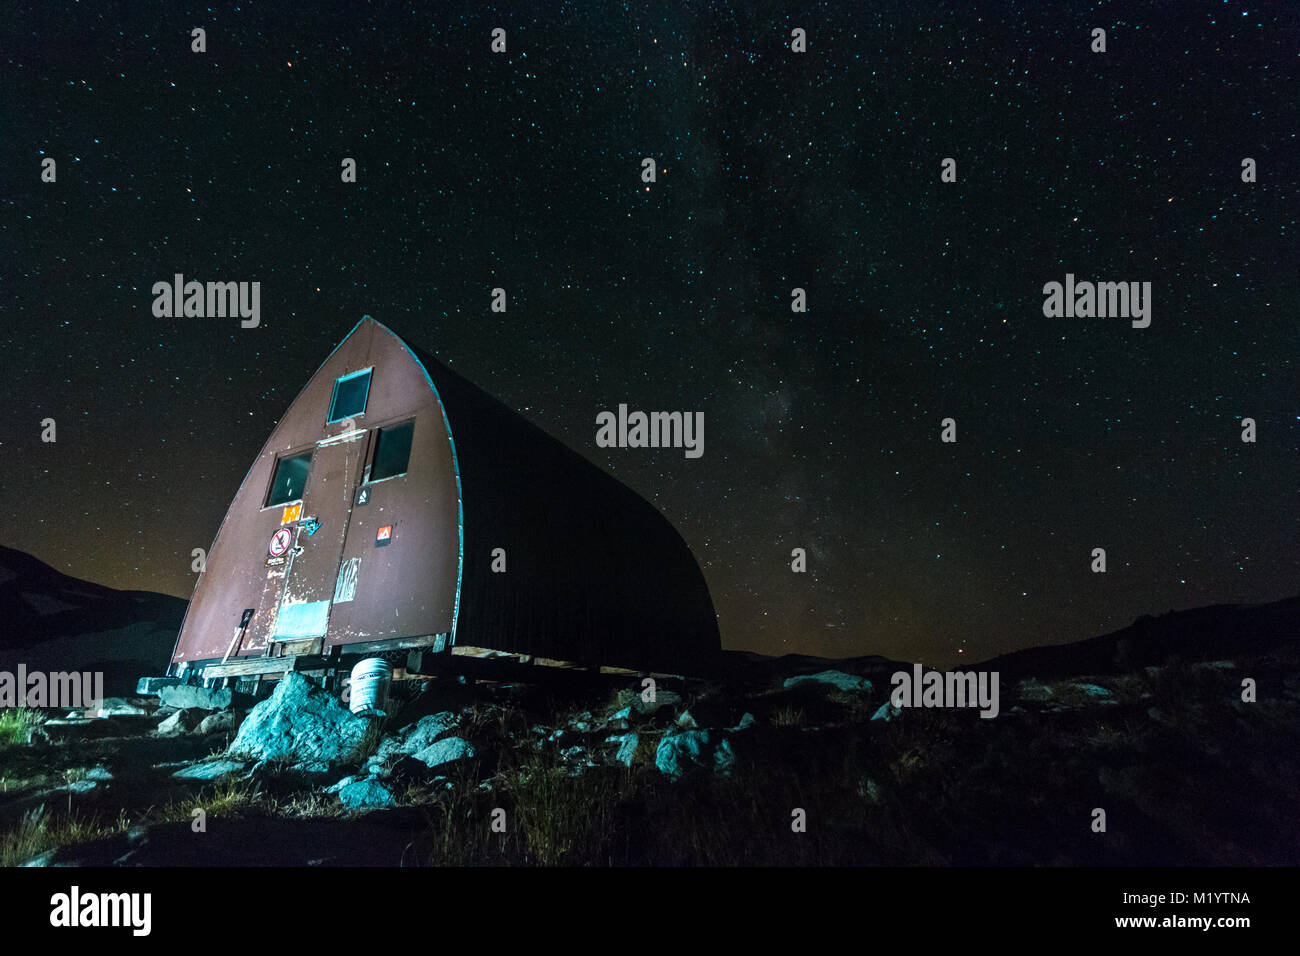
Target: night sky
x,y
775,170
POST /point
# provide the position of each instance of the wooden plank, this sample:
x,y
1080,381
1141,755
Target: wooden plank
x,y
249,666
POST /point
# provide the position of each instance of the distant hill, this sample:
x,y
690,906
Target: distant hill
x,y
52,621
1217,632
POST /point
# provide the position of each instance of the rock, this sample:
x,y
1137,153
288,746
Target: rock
x,y
209,770
421,734
746,722
445,751
627,747
1031,690
151,685
120,707
63,730
686,721
311,767
886,711
99,773
1093,690
576,759
724,758
192,695
699,748
404,770
300,721
832,678
346,781
221,722
364,794
663,698
81,786
182,722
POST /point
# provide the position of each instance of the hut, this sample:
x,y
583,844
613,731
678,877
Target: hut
x,y
398,510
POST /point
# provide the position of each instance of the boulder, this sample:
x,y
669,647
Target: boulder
x,y
832,678
1033,691
663,698
419,735
311,767
151,685
746,722
181,696
182,722
220,722
346,781
365,794
627,746
66,730
886,712
302,722
707,749
120,707
209,770
445,751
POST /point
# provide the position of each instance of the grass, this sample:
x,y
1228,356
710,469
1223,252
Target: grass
x,y
16,723
39,831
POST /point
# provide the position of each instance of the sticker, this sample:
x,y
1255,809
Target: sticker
x,y
383,536
280,542
291,514
311,526
363,496
274,562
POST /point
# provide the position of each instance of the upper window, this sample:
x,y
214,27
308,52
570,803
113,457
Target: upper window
x,y
290,479
392,450
350,393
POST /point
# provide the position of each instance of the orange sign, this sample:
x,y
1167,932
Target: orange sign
x,y
291,514
383,536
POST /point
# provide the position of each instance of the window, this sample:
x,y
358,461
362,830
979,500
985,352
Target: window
x,y
290,479
350,393
392,450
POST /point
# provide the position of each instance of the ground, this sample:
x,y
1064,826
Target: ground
x,y
757,767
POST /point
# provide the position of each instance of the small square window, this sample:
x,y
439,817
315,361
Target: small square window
x,y
350,393
392,450
290,479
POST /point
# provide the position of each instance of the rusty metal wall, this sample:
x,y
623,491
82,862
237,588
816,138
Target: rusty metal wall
x,y
407,587
594,572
